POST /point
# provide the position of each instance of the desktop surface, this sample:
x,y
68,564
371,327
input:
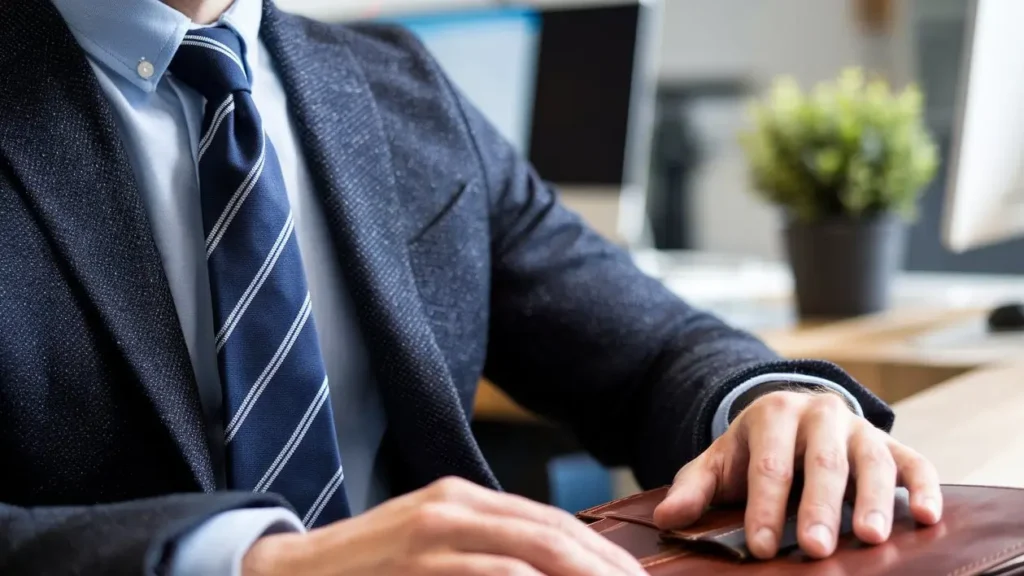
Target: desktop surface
x,y
969,427
935,330
756,294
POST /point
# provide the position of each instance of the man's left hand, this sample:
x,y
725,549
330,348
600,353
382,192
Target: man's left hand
x,y
782,432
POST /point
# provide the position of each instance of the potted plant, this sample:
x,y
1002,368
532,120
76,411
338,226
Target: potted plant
x,y
847,163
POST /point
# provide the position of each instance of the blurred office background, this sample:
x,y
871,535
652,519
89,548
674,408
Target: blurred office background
x,y
697,63
632,109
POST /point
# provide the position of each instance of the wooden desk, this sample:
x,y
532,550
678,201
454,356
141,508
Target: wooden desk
x,y
970,427
895,354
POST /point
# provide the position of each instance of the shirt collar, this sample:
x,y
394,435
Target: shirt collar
x,y
138,38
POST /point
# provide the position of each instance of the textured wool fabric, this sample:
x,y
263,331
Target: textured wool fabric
x,y
460,260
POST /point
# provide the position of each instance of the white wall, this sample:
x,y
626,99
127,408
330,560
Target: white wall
x,y
755,41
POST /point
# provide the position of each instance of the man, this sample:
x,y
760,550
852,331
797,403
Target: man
x,y
167,351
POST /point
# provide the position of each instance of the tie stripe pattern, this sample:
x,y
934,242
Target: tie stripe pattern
x,y
280,433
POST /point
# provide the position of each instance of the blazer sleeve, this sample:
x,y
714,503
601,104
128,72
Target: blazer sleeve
x,y
131,538
579,334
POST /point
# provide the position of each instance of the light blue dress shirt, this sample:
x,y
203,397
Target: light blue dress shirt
x,y
129,44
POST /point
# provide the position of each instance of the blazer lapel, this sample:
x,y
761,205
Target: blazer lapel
x,y
58,135
347,151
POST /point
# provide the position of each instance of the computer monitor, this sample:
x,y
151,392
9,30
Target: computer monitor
x,y
571,85
985,194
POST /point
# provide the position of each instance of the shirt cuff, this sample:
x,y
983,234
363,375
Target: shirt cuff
x,y
217,546
720,422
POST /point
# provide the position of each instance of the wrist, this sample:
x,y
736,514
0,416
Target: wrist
x,y
275,554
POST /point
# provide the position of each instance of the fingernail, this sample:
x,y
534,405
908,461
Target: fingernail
x,y
876,521
822,535
932,506
764,540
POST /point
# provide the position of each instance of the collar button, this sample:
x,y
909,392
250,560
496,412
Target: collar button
x,y
145,69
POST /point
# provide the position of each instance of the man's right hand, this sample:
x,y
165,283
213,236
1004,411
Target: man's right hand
x,y
452,528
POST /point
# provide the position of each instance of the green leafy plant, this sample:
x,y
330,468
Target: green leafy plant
x,y
848,149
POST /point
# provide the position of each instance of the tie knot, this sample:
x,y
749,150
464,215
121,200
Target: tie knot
x,y
210,61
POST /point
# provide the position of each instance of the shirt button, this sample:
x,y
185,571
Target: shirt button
x,y
145,69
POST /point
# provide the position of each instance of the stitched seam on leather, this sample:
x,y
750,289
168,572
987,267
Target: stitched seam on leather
x,y
656,560
989,558
599,509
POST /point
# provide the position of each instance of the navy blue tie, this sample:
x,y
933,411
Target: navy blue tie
x,y
280,434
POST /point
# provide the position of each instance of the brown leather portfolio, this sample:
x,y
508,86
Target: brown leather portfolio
x,y
981,533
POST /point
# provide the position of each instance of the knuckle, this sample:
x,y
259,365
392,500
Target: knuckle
x,y
776,401
549,546
772,467
435,517
829,401
450,488
715,460
830,460
560,519
877,456
711,460
821,411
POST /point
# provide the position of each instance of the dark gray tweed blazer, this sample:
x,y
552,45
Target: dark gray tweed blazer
x,y
461,260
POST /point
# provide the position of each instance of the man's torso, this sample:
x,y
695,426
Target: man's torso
x,y
94,369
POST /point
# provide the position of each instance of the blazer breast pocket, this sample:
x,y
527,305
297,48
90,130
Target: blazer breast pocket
x,y
451,261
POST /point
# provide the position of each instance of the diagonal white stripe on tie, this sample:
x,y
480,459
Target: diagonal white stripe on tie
x,y
268,373
257,282
325,496
296,438
235,203
226,108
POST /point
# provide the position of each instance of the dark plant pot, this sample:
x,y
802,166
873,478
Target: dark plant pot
x,y
845,267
